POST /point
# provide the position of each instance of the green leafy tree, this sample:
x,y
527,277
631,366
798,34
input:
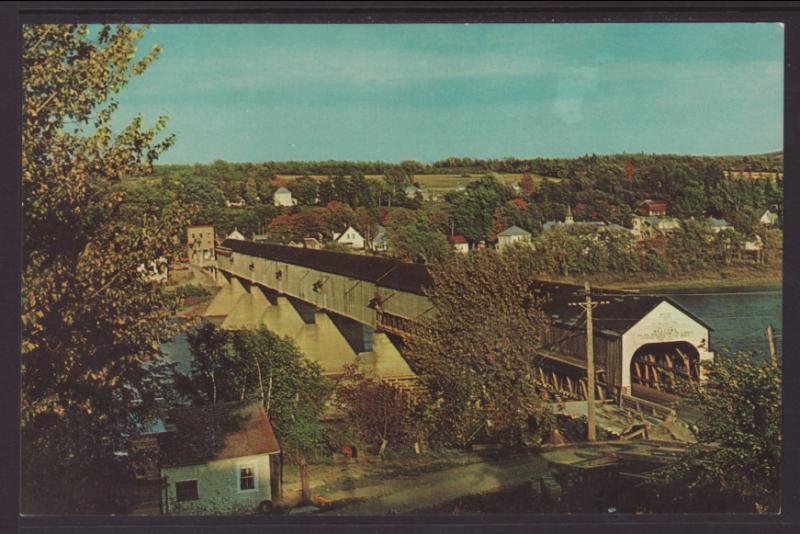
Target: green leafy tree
x,y
475,353
246,364
411,237
92,325
735,466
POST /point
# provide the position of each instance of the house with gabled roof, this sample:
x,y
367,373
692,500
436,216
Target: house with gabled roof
x,y
283,197
350,237
219,458
511,235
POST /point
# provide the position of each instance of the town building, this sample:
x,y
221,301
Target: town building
x,y
459,243
200,245
221,458
646,227
380,243
511,235
283,197
236,234
238,203
652,208
350,237
718,225
768,218
414,192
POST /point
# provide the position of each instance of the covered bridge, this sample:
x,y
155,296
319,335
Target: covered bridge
x,y
636,337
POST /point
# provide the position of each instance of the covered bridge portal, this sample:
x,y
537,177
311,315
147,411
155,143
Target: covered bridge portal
x,y
635,336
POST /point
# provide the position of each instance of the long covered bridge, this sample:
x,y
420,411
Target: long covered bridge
x,y
339,306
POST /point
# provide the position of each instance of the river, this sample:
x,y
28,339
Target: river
x,y
739,317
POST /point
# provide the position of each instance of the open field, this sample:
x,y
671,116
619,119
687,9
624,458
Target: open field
x,y
755,175
441,183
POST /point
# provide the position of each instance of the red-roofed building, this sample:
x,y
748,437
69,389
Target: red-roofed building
x,y
459,243
652,208
220,458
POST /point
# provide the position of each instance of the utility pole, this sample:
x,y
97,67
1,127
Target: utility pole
x,y
771,338
588,305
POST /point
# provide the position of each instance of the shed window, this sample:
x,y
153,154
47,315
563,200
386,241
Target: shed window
x,y
186,490
247,477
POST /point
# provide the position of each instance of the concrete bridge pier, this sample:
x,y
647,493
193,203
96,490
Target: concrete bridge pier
x,y
384,359
282,318
248,310
323,343
227,297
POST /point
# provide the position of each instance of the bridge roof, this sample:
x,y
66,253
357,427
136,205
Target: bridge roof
x,y
621,313
383,272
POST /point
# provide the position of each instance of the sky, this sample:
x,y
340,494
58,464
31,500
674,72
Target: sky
x,y
259,92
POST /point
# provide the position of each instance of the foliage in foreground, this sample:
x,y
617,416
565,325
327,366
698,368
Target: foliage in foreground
x,y
378,412
92,325
232,366
474,353
735,466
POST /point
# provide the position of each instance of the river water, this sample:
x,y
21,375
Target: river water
x,y
739,318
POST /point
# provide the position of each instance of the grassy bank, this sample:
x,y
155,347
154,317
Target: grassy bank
x,y
766,278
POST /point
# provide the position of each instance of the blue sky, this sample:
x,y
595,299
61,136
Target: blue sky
x,y
259,92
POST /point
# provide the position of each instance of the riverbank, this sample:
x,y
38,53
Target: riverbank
x,y
734,278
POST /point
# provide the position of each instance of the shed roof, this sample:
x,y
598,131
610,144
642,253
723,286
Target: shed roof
x,y
383,272
282,189
216,432
457,239
513,230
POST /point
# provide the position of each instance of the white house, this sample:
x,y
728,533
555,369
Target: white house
x,y
413,191
512,234
219,459
283,197
768,218
459,243
350,237
236,234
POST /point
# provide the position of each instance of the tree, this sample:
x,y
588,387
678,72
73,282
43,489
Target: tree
x,y
475,351
379,412
735,466
92,325
411,237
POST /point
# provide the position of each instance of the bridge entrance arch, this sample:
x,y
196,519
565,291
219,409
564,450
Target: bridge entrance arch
x,y
656,367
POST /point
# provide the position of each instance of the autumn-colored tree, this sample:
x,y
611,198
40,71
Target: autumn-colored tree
x,y
380,413
475,352
92,324
526,184
285,227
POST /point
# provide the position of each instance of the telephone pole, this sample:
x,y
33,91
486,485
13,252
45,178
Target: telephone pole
x,y
771,338
588,305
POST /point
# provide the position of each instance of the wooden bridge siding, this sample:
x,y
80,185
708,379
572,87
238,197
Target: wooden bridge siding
x,y
607,351
340,294
402,303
